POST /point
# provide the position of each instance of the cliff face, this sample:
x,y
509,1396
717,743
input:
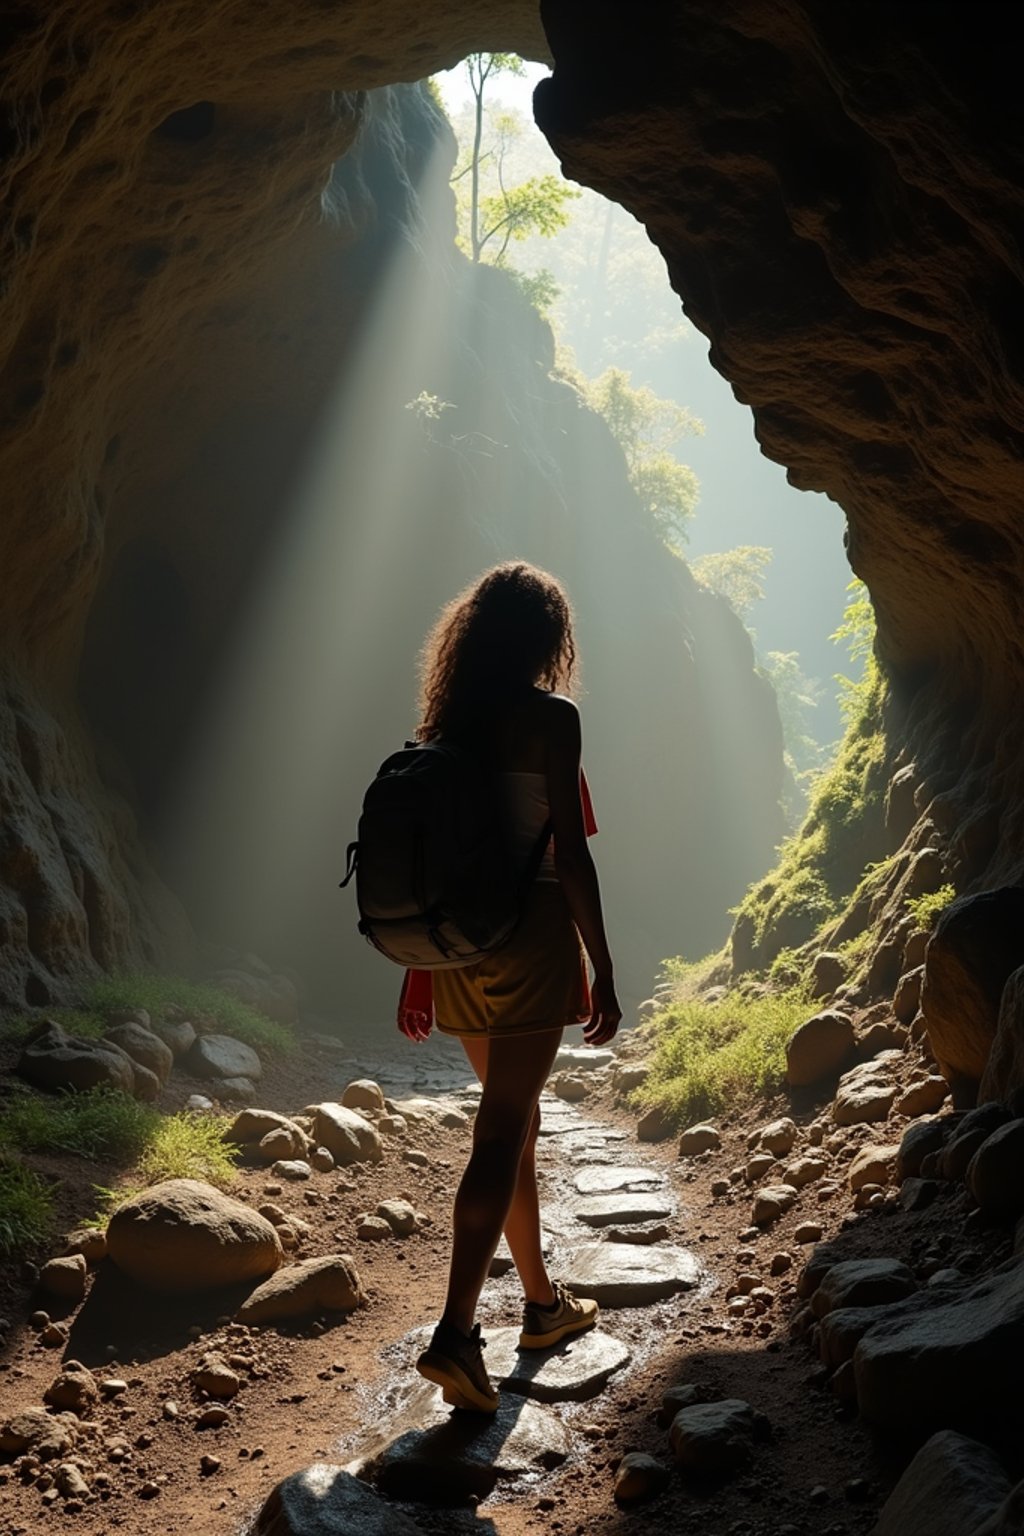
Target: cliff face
x,y
207,299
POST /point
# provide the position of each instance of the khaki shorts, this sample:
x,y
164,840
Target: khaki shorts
x,y
538,980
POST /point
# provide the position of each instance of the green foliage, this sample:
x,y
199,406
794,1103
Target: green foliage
x,y
927,909
857,631
539,287
103,1123
646,428
187,1146
737,575
26,1208
787,968
820,865
206,1005
709,1056
534,207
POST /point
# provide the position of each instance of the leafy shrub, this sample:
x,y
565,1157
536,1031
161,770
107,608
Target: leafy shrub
x,y
207,1005
927,909
26,1208
187,1146
712,1055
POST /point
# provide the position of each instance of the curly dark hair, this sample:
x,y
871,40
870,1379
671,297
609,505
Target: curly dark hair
x,y
509,631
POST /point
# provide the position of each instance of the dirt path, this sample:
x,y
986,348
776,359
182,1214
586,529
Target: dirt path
x,y
337,1390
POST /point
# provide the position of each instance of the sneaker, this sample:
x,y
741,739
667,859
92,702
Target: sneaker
x,y
544,1326
455,1362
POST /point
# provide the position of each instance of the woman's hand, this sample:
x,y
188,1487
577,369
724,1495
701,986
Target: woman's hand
x,y
605,1013
415,1026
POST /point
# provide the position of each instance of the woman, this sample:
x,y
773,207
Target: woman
x,y
496,670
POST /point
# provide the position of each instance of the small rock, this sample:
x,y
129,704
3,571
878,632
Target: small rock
x,y
222,1056
805,1170
759,1166
772,1202
70,1482
346,1134
714,1439
683,1395
696,1139
211,1418
778,1138
74,1389
655,1125
399,1215
90,1242
283,1144
808,1232
214,1376
363,1094
64,1277
818,1048
292,1168
327,1284
571,1088
113,1386
780,1263
372,1229
639,1477
923,1098
873,1164
208,1465
198,1103
321,1160
54,1335
415,1157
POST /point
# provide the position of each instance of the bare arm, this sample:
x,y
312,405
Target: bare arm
x,y
574,864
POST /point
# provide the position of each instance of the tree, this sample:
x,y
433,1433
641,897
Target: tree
x,y
857,630
737,575
645,428
499,212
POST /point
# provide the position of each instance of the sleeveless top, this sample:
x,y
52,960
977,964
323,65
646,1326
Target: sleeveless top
x,y
526,805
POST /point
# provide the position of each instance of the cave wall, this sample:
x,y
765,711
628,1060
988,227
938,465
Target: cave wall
x,y
835,189
224,272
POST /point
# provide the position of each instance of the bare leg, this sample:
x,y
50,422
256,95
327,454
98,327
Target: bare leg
x,y
522,1224
516,1071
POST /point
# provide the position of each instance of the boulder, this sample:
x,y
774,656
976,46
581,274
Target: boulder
x,y
348,1137
949,1489
699,1138
184,1235
177,1034
923,1097
213,1056
714,1439
235,1090
56,1060
819,1048
995,1174
1004,1070
325,1500
312,1286
873,1164
144,1047
956,1365
145,1084
862,1283
970,1131
976,946
363,1094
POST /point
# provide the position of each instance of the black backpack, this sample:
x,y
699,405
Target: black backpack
x,y
436,883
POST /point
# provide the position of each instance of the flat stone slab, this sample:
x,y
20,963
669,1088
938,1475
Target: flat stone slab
x,y
583,1057
573,1371
622,1275
606,1210
432,1454
604,1181
328,1501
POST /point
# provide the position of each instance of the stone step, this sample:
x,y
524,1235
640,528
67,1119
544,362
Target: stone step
x,y
571,1372
605,1180
621,1275
606,1210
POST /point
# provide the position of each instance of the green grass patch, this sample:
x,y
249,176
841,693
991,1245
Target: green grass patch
x,y
927,909
182,1146
103,1123
710,1056
205,1005
26,1208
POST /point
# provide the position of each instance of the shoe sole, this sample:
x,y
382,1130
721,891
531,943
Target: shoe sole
x,y
556,1334
456,1387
